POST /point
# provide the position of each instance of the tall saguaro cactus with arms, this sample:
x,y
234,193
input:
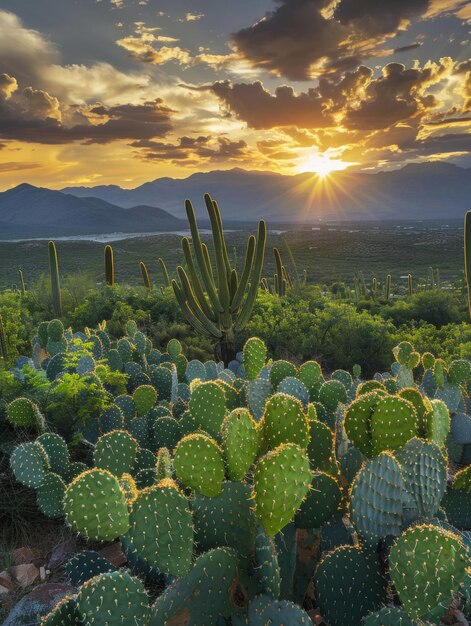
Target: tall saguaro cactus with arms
x,y
218,305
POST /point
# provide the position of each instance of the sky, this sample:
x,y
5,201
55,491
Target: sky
x,y
122,92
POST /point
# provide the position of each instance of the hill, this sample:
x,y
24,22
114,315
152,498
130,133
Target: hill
x,y
28,211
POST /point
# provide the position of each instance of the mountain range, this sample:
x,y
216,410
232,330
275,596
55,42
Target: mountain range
x,y
435,190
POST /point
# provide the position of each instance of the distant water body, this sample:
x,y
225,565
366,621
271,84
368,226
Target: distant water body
x,y
109,237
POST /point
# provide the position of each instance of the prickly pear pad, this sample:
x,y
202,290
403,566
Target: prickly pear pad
x,y
65,613
393,423
240,442
161,528
50,495
358,421
377,499
57,452
96,507
29,463
114,598
116,452
255,353
284,421
348,585
321,503
199,464
427,565
281,482
208,407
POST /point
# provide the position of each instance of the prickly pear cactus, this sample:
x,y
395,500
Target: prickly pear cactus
x,y
65,613
57,452
393,423
284,421
427,566
30,464
280,370
388,616
321,503
113,598
145,397
50,495
85,565
116,452
281,482
332,393
377,499
161,528
96,507
349,585
199,464
208,407
240,443
264,610
255,353
23,413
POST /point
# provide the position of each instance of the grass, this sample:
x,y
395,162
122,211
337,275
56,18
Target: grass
x,y
333,253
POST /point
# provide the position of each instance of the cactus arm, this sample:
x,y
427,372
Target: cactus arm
x,y
195,281
227,263
279,272
208,261
164,269
233,283
194,306
145,275
249,303
200,257
189,316
55,280
248,263
287,277
219,254
467,256
109,265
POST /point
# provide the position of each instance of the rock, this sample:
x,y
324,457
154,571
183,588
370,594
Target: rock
x,y
114,554
42,574
62,552
5,582
39,602
20,556
25,574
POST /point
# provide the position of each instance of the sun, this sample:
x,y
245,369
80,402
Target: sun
x,y
321,164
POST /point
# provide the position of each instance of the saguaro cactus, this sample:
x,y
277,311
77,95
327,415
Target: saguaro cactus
x,y
109,266
409,285
280,282
467,255
55,281
388,286
145,275
22,282
218,306
3,340
163,267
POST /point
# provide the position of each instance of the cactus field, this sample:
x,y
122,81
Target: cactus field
x,y
245,489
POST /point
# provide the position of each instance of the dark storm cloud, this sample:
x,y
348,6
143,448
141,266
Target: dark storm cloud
x,y
36,117
412,46
304,38
190,148
262,110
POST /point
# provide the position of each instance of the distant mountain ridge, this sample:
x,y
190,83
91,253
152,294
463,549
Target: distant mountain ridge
x,y
28,211
433,190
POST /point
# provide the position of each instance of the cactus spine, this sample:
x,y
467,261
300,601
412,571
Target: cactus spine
x,y
467,256
218,306
55,281
163,267
109,266
145,275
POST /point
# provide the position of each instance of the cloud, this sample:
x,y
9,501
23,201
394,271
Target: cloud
x,y
193,149
261,110
140,48
35,61
8,86
412,46
193,17
305,38
35,117
16,166
40,104
397,95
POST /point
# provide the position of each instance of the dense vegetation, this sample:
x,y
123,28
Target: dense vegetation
x,y
246,440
